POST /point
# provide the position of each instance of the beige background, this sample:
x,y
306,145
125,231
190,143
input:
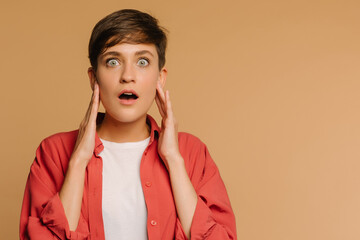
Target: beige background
x,y
272,88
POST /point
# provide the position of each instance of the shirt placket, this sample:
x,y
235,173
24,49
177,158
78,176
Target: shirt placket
x,y
95,197
149,190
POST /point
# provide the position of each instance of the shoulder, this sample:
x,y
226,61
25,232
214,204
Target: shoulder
x,y
192,148
56,149
189,140
190,144
196,156
60,140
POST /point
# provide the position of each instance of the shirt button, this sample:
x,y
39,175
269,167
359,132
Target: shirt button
x,y
148,184
153,222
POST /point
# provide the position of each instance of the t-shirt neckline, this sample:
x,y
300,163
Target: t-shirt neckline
x,y
136,144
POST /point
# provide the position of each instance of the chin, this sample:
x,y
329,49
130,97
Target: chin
x,y
127,115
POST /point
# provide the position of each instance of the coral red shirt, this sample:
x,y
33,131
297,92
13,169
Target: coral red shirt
x,y
43,215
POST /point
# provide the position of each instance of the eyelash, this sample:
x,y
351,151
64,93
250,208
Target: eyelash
x,y
145,58
109,59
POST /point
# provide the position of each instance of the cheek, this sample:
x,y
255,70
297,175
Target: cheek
x,y
107,82
151,83
151,91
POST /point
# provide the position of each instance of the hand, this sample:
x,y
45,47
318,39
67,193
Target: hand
x,y
185,197
85,143
168,146
71,192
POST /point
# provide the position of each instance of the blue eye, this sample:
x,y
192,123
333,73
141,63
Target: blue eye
x,y
143,62
112,62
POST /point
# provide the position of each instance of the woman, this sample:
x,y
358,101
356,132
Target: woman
x,y
121,176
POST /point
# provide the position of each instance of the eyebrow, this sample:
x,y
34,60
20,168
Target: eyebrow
x,y
114,53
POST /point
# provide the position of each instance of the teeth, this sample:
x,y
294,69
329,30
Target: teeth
x,y
128,93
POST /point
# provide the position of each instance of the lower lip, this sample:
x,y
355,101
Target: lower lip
x,y
128,101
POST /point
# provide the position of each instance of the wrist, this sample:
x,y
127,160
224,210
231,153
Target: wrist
x,y
175,162
77,163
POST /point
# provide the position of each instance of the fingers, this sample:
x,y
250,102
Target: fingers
x,y
164,104
95,104
160,107
161,91
91,112
168,105
88,111
160,99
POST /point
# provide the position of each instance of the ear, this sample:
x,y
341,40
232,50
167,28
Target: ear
x,y
162,76
92,77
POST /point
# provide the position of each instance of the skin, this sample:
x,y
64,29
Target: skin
x,y
128,66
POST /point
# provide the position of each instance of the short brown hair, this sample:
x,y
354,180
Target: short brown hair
x,y
127,25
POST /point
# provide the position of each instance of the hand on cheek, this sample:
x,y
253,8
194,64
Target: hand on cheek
x,y
168,146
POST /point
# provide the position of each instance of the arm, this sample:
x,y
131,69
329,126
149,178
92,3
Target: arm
x,y
213,217
184,193
72,191
168,147
52,202
42,213
204,210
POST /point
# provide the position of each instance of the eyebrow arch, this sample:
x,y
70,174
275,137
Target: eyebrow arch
x,y
117,54
143,52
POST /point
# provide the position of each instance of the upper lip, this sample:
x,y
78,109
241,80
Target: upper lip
x,y
128,91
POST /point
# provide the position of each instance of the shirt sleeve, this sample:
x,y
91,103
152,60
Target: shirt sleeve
x,y
42,214
213,217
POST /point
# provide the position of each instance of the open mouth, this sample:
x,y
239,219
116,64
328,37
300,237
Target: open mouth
x,y
127,96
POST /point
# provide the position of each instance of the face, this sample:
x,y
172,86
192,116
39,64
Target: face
x,y
128,67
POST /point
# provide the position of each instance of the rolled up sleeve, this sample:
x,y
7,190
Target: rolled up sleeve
x,y
213,217
42,214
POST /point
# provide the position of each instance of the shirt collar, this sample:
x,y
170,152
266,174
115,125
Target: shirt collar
x,y
154,131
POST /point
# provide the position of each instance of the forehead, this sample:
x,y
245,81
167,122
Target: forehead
x,y
131,49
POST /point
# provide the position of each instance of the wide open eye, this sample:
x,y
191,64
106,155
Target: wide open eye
x,y
112,62
143,62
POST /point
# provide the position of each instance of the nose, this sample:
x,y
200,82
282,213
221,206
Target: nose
x,y
128,74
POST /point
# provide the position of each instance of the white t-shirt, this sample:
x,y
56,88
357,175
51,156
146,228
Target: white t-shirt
x,y
123,204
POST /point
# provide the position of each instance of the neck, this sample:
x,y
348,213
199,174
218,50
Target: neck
x,y
114,131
